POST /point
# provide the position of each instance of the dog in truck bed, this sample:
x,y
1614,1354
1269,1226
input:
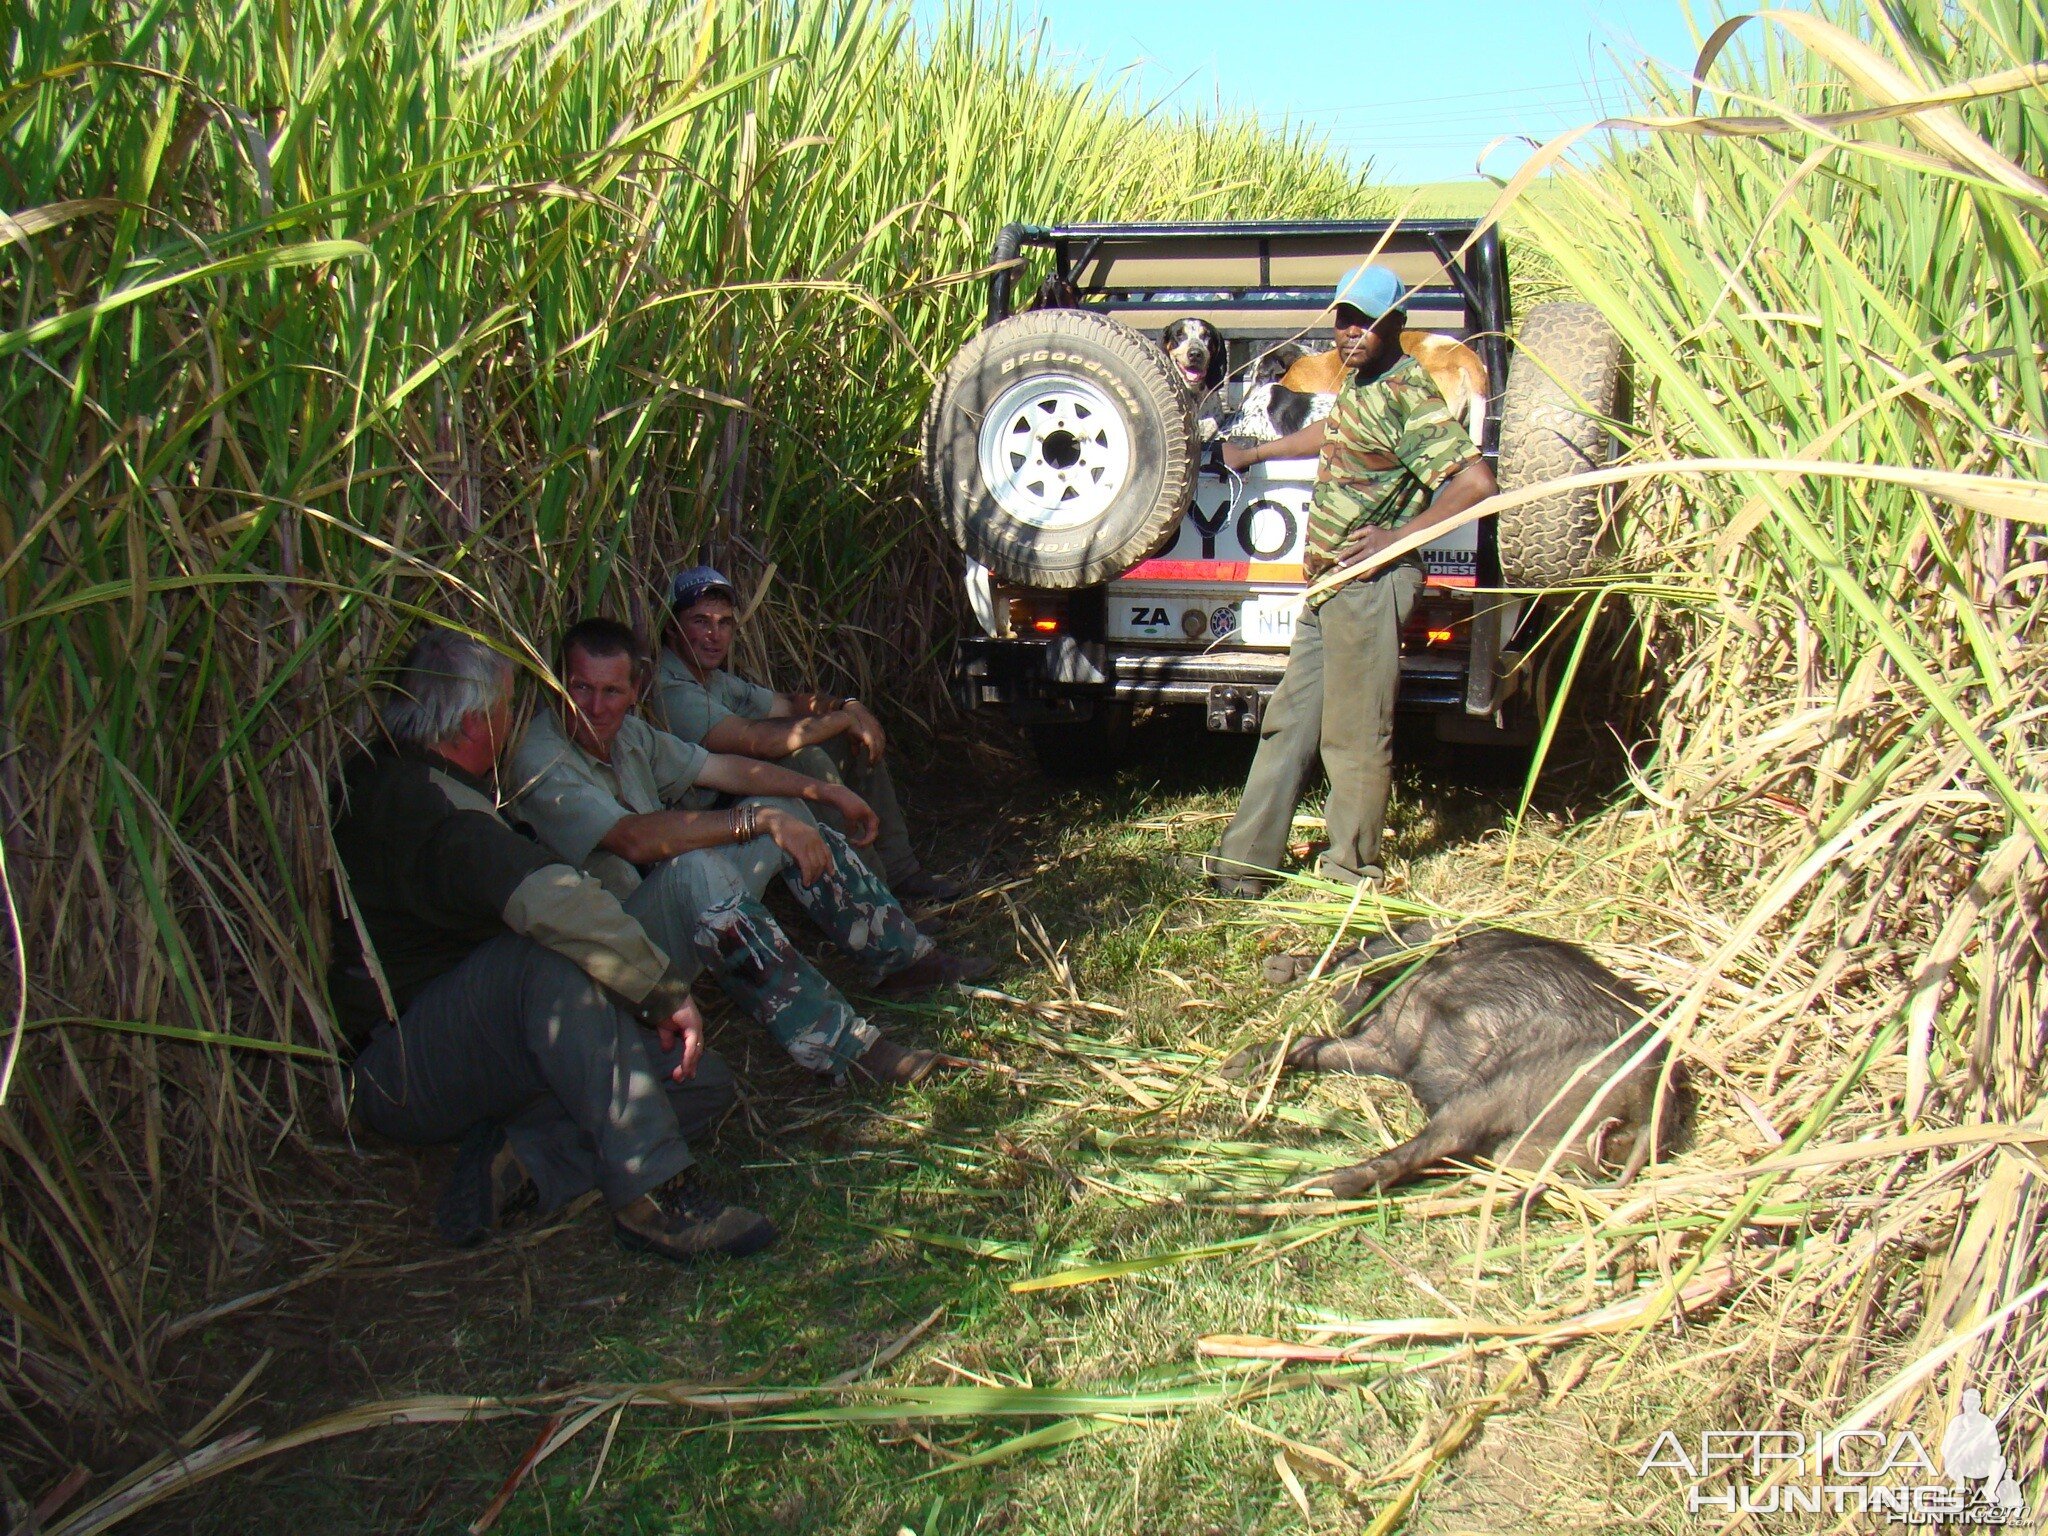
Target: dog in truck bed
x,y
1455,369
1196,348
1254,420
1306,388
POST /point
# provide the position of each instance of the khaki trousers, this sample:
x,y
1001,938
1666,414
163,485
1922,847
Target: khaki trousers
x,y
1335,701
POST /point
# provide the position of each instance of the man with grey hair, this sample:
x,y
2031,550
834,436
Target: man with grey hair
x,y
502,998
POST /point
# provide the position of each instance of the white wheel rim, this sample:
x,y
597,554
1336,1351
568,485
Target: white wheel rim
x,y
1054,452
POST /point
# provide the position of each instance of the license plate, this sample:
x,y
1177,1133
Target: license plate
x,y
1196,617
1192,616
1268,620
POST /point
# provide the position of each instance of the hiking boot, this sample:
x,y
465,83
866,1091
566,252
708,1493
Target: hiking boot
x,y
935,970
684,1224
486,1185
1240,887
887,1062
923,886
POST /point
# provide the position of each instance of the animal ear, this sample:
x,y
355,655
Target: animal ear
x,y
1596,1143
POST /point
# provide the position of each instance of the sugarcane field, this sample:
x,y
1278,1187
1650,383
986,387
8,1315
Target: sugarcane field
x,y
906,767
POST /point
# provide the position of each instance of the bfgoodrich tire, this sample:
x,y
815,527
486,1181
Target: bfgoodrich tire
x,y
1567,376
1060,448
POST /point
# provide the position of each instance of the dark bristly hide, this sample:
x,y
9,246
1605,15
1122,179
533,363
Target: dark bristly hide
x,y
1508,1040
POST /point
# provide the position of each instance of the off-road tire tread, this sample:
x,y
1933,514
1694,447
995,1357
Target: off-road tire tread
x,y
1564,353
969,522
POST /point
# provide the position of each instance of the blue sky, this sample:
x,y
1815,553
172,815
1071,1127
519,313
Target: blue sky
x,y
1419,86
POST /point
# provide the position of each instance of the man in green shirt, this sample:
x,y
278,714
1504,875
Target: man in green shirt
x,y
832,739
1393,459
626,803
495,996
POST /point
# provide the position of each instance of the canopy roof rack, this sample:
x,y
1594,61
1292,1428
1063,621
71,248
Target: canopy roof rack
x,y
1268,276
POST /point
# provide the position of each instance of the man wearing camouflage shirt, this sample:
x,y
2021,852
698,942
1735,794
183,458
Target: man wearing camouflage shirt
x,y
625,802
494,995
1393,460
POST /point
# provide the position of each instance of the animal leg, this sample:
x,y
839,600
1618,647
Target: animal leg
x,y
1363,1053
1462,1127
1301,1056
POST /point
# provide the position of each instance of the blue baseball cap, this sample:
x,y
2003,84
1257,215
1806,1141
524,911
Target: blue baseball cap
x,y
687,588
1372,290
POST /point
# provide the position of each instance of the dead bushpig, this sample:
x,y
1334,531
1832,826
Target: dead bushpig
x,y
1507,1040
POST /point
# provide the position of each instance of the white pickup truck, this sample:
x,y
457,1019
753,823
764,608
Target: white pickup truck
x,y
1113,564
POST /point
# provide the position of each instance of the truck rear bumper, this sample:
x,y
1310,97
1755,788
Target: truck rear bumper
x,y
1036,680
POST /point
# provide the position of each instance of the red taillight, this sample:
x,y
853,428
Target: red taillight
x,y
1432,624
1036,613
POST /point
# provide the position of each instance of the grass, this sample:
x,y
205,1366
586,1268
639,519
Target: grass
x,y
1825,854
1054,1168
1464,198
323,321
1844,799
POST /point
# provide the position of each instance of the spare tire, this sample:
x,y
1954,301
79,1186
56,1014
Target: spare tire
x,y
1566,382
1060,448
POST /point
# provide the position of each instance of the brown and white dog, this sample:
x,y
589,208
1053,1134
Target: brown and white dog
x,y
1455,369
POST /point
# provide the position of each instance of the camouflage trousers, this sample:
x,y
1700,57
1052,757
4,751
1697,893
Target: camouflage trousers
x,y
704,908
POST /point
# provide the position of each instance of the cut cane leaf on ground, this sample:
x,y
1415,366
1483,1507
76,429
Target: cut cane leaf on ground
x,y
229,495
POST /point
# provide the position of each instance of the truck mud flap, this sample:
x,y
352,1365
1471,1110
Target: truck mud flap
x,y
1482,673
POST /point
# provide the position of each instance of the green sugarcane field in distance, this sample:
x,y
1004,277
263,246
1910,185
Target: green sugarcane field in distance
x,y
326,319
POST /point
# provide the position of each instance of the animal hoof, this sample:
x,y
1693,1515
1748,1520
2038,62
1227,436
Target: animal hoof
x,y
1341,1183
1286,970
1250,1062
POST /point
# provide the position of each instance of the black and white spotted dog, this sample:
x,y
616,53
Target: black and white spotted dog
x,y
1270,409
1196,348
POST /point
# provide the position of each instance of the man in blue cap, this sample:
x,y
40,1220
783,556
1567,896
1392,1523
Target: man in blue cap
x,y
835,740
1394,459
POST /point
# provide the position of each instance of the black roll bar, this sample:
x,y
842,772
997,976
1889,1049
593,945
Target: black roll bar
x,y
1010,242
1482,283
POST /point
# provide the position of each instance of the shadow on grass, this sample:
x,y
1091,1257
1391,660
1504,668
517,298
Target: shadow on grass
x,y
1095,1144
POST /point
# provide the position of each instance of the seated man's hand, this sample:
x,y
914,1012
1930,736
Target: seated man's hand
x,y
800,840
686,1024
866,731
863,826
